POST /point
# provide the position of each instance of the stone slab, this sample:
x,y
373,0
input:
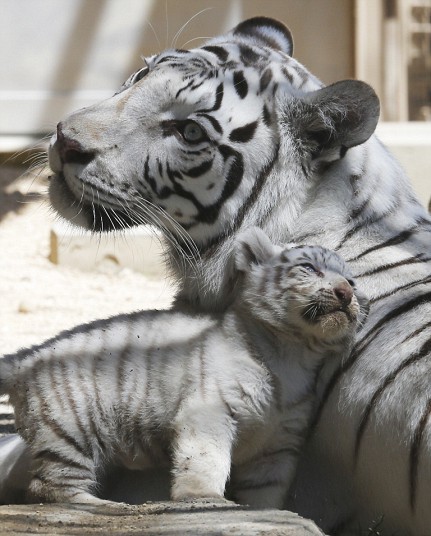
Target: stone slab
x,y
193,518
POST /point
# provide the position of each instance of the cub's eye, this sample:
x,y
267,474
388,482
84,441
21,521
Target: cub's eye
x,y
193,133
309,267
351,282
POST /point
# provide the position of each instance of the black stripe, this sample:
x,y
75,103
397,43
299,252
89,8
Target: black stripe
x,y
367,222
199,170
57,457
417,331
287,74
404,262
46,413
220,52
266,116
219,98
257,188
248,56
407,286
240,84
361,345
243,134
395,240
415,452
90,413
58,430
96,390
356,212
72,404
187,86
265,80
215,124
414,358
211,246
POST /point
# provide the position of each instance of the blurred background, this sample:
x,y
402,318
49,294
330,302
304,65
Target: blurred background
x,y
60,55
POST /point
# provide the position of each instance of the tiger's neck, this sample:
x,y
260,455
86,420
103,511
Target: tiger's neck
x,y
336,211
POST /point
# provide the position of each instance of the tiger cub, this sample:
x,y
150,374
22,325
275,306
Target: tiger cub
x,y
203,393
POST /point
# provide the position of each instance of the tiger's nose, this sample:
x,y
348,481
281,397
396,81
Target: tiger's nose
x,y
70,150
344,293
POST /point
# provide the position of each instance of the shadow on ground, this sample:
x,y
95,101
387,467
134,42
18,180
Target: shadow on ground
x,y
12,199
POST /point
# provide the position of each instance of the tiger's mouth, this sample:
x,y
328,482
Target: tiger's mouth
x,y
91,216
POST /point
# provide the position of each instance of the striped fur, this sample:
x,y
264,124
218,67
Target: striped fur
x,y
275,149
202,392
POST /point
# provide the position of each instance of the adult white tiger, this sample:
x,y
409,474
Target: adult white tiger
x,y
237,133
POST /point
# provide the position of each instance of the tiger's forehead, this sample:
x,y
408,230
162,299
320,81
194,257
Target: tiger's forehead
x,y
237,62
321,258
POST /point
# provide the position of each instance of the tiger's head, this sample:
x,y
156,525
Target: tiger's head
x,y
195,138
304,293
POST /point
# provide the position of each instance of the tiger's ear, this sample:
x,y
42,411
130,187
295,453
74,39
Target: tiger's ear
x,y
252,247
332,119
267,32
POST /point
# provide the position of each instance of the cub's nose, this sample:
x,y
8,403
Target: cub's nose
x,y
344,293
70,150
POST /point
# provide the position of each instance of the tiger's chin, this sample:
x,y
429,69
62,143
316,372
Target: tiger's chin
x,y
90,217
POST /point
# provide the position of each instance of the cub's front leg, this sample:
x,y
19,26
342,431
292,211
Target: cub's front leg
x,y
203,442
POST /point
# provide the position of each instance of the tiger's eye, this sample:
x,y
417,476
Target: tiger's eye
x,y
193,133
140,75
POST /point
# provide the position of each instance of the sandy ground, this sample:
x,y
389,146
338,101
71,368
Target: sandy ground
x,y
37,298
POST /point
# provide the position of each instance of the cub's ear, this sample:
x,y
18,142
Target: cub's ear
x,y
252,247
332,119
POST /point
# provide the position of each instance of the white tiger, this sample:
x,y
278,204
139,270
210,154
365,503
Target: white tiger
x,y
204,391
207,142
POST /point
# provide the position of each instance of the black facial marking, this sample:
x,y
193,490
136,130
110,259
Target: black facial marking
x,y
218,101
287,74
265,80
240,84
248,56
266,116
243,134
199,170
215,124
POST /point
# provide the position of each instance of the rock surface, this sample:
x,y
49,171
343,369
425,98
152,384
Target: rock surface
x,y
168,518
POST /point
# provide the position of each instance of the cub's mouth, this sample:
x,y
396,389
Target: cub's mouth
x,y
318,313
91,216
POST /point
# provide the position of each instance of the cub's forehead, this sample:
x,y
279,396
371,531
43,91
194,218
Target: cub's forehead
x,y
321,258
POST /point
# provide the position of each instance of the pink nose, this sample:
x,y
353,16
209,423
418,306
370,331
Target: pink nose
x,y
344,293
70,150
